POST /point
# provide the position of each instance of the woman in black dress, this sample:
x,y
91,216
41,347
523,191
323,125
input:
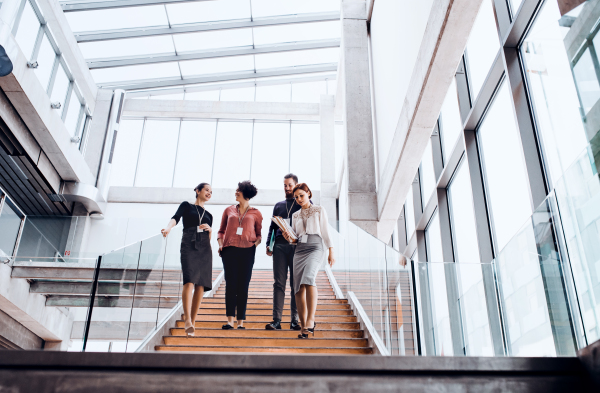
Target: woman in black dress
x,y
196,253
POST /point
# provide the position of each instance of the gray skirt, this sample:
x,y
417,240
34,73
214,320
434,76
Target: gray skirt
x,y
196,258
307,261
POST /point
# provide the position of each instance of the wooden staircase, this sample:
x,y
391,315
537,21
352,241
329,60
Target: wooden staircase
x,y
338,331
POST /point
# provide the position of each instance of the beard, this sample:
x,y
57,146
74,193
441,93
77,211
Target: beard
x,y
289,195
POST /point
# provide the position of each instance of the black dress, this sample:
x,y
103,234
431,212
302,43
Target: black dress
x,y
196,252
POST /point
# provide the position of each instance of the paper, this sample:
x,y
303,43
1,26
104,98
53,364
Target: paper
x,y
284,226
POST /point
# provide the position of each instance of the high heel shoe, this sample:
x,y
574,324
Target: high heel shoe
x,y
312,329
303,335
189,328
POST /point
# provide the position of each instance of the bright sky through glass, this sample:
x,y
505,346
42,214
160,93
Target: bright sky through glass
x,y
194,12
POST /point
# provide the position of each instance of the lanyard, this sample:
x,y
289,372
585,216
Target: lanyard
x,y
241,220
291,207
200,218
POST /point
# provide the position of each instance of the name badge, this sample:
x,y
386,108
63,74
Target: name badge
x,y
239,231
289,221
303,238
199,230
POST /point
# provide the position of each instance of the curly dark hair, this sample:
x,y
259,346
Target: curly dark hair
x,y
247,189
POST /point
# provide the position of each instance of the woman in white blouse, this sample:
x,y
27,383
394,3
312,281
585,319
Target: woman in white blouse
x,y
310,228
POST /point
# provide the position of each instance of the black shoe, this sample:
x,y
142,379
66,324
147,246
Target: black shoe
x,y
241,327
276,324
226,327
303,335
312,329
294,325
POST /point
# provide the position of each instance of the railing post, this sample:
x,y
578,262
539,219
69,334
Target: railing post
x,y
88,320
415,308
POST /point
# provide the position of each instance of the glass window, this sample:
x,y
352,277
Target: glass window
x,y
45,60
409,214
437,287
195,153
464,230
305,158
504,169
73,112
587,80
428,181
216,65
553,92
274,93
137,72
514,6
157,156
128,47
232,154
27,31
117,18
243,94
309,91
482,47
270,154
297,32
450,121
211,95
262,8
212,39
469,275
10,222
208,11
125,158
297,58
60,88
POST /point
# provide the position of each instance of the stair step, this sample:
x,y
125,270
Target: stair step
x,y
289,350
268,318
267,342
252,325
270,296
269,306
269,300
263,311
283,333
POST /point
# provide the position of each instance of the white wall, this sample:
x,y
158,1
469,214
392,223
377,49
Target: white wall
x,y
397,29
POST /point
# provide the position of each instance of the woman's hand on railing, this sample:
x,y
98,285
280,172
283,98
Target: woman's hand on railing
x,y
165,231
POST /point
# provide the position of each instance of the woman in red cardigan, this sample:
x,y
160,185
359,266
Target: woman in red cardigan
x,y
238,237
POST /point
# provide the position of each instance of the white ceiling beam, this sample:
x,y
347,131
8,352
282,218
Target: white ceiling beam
x,y
213,53
228,76
235,85
206,26
92,5
195,109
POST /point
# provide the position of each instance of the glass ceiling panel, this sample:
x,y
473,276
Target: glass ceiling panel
x,y
297,58
208,11
297,32
261,8
131,73
212,39
214,66
128,47
117,18
245,94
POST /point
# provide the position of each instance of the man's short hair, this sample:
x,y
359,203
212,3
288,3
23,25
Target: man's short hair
x,y
291,176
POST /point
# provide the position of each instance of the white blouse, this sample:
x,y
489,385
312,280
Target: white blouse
x,y
312,221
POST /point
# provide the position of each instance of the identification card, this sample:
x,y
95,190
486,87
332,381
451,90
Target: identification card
x,y
239,231
303,238
289,221
199,230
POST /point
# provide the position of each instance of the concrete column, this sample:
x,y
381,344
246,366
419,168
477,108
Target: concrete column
x,y
328,179
362,196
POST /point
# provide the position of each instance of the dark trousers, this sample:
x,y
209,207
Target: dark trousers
x,y
237,263
283,260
